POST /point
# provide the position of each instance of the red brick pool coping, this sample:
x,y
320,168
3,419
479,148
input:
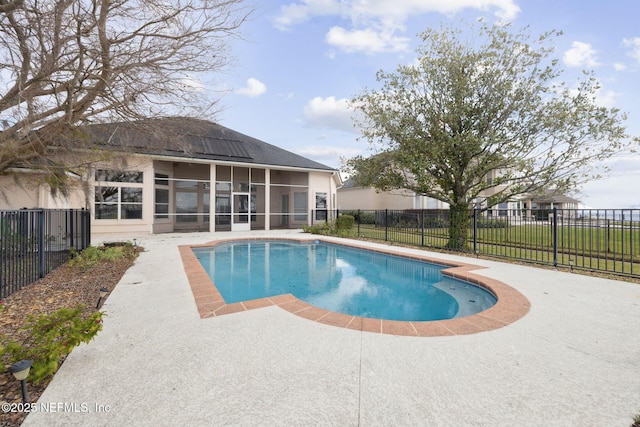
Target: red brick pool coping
x,y
511,304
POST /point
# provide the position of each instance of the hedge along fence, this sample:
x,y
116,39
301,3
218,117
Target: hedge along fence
x,y
33,242
605,240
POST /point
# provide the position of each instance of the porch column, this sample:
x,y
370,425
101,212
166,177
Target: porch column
x,y
267,199
212,198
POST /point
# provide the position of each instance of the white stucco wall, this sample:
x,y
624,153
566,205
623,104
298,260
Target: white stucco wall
x,y
367,198
25,191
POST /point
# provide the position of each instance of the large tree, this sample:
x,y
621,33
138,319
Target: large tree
x,y
481,101
70,62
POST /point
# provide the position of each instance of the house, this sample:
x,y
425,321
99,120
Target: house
x,y
352,197
184,174
539,206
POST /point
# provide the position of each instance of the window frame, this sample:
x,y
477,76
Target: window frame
x,y
125,183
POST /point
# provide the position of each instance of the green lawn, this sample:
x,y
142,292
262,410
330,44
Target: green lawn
x,y
613,249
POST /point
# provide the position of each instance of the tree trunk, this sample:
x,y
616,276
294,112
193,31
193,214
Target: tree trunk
x,y
458,226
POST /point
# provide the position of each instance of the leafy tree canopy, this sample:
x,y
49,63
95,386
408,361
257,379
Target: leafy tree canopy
x,y
475,102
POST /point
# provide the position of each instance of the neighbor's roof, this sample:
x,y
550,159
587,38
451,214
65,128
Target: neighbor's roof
x,y
551,196
195,139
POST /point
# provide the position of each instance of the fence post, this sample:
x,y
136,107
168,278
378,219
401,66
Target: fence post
x,y
87,223
83,236
555,237
386,225
422,224
41,243
358,222
72,227
475,231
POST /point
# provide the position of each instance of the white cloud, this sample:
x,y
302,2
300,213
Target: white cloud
x,y
329,155
616,190
581,55
327,152
385,10
634,45
606,98
330,113
253,89
603,98
375,22
368,41
619,66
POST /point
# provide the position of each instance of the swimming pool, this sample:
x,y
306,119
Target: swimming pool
x,y
341,279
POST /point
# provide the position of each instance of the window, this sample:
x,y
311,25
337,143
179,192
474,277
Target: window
x,y
321,206
118,176
161,205
118,194
503,209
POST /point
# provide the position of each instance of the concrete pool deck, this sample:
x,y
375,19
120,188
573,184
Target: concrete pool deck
x,y
573,359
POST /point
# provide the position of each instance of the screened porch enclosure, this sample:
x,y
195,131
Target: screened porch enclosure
x,y
240,198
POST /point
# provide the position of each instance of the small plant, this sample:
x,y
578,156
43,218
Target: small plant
x,y
93,255
338,227
636,421
51,338
324,228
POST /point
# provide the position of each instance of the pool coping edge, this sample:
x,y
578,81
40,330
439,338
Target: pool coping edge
x,y
511,305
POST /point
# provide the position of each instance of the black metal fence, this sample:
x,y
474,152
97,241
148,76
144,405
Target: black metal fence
x,y
606,240
35,241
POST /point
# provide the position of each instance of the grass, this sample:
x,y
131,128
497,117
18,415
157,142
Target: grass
x,y
612,249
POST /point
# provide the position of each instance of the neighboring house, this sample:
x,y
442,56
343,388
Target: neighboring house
x,y
537,206
183,174
550,200
351,197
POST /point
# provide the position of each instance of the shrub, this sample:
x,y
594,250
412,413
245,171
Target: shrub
x,y
51,338
367,217
324,228
492,223
338,227
344,222
93,255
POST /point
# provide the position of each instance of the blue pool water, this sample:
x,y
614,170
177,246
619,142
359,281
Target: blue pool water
x,y
341,279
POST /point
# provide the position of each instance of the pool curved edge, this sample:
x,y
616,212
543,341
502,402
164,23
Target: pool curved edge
x,y
511,305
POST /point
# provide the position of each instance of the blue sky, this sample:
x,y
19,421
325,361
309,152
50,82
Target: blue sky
x,y
299,61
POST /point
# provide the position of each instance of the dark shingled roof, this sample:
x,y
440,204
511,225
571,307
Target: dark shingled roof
x,y
551,196
194,139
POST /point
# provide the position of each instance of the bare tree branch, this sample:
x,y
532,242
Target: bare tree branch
x,y
71,62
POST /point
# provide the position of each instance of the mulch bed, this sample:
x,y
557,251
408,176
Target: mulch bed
x,y
67,286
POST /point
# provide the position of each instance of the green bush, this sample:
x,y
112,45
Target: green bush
x,y
436,221
94,255
338,227
368,217
324,228
51,338
492,223
344,222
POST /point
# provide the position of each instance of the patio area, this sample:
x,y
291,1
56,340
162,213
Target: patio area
x,y
573,359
